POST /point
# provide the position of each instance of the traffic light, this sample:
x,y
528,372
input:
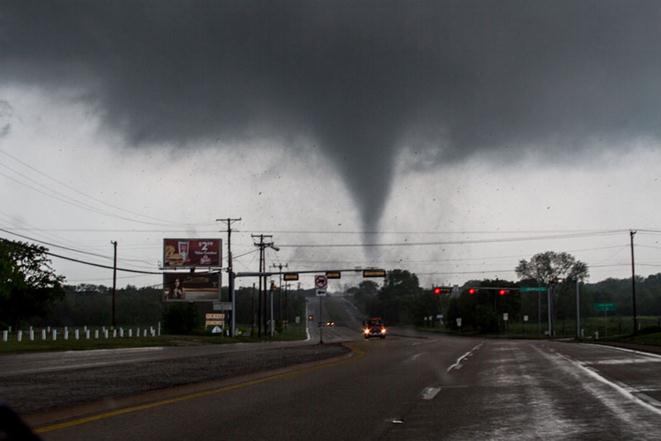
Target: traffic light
x,y
472,291
502,292
437,291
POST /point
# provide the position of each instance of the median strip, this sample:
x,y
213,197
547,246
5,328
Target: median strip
x,y
355,354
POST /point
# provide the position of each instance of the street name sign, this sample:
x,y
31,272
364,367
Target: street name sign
x,y
333,275
290,277
374,273
604,307
321,292
532,289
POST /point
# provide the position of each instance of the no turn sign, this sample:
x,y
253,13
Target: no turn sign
x,y
320,282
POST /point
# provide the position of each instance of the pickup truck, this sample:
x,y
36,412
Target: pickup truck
x,y
374,327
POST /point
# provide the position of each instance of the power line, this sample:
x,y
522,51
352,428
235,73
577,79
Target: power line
x,y
455,242
64,184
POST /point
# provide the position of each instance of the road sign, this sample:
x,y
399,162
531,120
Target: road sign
x,y
333,275
216,330
289,277
374,273
532,289
321,292
320,282
604,307
222,306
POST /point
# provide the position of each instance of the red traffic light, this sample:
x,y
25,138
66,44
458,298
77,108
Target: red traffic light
x,y
472,291
437,291
502,292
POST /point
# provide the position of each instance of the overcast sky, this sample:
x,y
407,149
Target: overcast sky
x,y
356,123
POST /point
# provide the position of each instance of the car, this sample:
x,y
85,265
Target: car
x,y
330,324
374,327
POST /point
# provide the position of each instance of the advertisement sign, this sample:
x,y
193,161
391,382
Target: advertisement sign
x,y
191,253
214,319
191,287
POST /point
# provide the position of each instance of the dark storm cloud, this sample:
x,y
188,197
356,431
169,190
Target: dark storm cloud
x,y
360,78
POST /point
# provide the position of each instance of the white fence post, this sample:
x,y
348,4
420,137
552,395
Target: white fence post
x,y
76,334
121,332
114,333
31,334
54,334
87,334
96,333
43,334
5,335
66,333
19,335
105,333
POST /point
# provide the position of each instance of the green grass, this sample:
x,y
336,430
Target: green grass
x,y
610,328
294,332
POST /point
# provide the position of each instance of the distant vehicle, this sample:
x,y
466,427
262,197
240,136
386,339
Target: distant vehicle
x,y
330,324
374,327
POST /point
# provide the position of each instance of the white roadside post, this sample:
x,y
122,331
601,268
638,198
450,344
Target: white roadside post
x,y
121,332
19,335
159,329
87,334
31,333
43,335
54,334
114,332
130,332
5,335
66,333
77,334
96,334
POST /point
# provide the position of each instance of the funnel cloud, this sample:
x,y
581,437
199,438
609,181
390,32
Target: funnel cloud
x,y
359,79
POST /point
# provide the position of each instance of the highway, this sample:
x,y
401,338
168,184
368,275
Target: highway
x,y
414,387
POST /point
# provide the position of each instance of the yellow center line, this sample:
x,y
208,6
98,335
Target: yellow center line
x,y
356,352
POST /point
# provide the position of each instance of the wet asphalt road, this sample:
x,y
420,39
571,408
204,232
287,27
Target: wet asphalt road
x,y
406,388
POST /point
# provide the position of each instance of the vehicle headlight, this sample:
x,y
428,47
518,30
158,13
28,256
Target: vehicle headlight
x,y
366,331
383,330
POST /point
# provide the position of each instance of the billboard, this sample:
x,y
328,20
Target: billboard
x,y
191,253
191,287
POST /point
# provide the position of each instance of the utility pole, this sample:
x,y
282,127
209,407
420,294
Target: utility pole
x,y
262,279
280,266
578,309
549,294
230,272
114,280
632,233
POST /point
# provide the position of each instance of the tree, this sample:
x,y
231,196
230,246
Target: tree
x,y
28,283
550,266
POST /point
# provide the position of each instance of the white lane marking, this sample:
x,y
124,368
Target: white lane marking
x,y
633,351
457,364
429,393
621,389
414,357
620,361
